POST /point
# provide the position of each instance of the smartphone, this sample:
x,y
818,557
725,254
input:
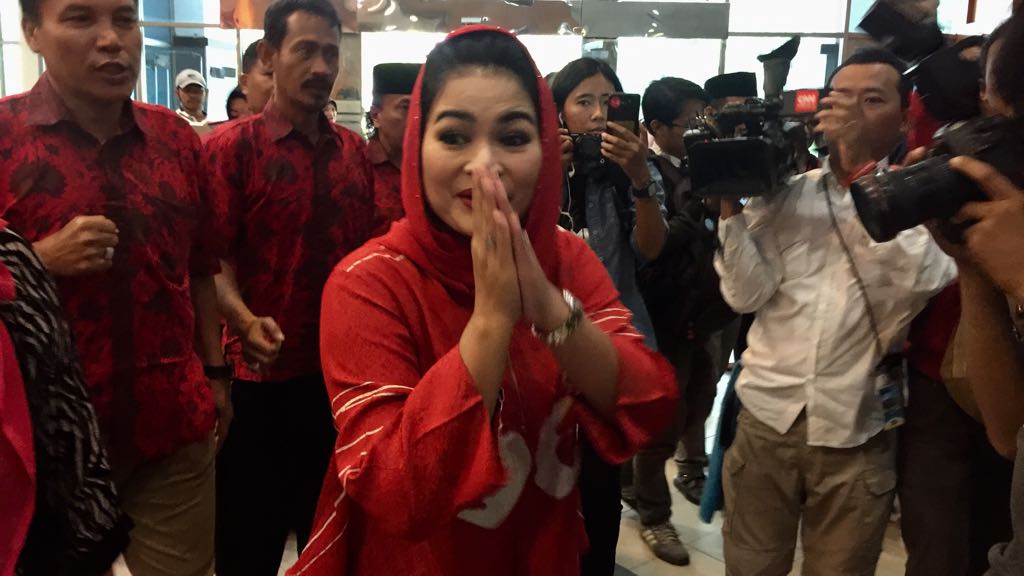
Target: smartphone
x,y
624,110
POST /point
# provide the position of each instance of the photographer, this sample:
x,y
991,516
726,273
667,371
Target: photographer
x,y
682,294
991,263
820,374
615,200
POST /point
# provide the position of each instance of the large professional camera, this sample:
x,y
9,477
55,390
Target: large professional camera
x,y
891,202
751,148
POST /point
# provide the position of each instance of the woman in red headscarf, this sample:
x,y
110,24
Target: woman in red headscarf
x,y
463,350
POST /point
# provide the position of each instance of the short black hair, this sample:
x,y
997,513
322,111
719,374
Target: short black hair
x,y
236,94
483,49
250,57
30,9
880,56
333,104
275,21
575,73
664,99
1009,82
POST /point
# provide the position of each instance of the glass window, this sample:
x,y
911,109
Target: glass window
x,y
182,11
787,16
552,53
10,20
168,51
381,47
14,56
808,70
643,60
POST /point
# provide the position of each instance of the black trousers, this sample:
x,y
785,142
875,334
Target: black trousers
x,y
269,472
954,487
600,499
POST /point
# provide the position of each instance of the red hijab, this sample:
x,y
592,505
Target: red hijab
x,y
441,251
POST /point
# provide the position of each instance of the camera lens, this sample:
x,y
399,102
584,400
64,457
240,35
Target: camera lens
x,y
895,201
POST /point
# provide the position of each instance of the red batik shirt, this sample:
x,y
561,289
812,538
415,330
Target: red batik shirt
x,y
387,184
134,324
289,211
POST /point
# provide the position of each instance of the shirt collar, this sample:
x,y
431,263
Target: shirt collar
x,y
278,126
47,108
677,162
830,177
375,152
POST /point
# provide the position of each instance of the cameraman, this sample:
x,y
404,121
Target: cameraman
x,y
682,294
616,201
832,309
991,263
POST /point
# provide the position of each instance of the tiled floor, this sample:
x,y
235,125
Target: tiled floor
x,y
703,540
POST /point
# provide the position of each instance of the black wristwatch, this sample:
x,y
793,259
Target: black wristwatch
x,y
645,192
225,372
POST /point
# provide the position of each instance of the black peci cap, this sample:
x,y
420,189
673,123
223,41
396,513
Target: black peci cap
x,y
735,84
394,78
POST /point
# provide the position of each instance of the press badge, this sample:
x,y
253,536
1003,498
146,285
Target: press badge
x,y
890,379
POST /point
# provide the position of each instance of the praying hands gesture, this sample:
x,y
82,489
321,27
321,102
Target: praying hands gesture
x,y
510,283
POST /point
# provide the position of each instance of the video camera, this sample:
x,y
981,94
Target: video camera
x,y
756,162
752,148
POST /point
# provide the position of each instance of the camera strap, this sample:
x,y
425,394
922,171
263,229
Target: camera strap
x,y
891,373
823,187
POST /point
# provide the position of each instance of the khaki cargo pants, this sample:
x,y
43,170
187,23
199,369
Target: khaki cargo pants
x,y
775,484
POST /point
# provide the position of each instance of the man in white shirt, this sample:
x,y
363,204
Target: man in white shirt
x,y
811,447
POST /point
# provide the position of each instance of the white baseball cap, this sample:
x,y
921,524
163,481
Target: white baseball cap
x,y
188,77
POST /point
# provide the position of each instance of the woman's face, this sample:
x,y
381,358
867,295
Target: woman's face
x,y
586,108
480,118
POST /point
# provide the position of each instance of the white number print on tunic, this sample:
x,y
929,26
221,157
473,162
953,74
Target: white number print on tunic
x,y
553,477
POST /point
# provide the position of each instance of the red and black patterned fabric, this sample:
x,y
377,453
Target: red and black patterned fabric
x,y
134,324
289,210
387,184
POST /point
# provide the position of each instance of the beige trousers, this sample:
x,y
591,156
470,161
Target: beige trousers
x,y
171,503
839,499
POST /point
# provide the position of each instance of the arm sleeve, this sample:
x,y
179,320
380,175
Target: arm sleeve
x,y
749,259
222,166
659,193
205,257
646,391
413,448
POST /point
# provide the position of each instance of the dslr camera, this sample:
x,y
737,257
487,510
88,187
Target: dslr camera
x,y
890,202
586,152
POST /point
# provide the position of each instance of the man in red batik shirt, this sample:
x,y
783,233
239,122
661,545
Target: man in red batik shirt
x,y
295,195
392,87
107,190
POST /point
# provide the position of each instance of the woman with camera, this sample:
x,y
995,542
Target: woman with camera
x,y
463,350
616,201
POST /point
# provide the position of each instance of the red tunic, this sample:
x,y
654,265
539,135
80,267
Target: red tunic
x,y
424,481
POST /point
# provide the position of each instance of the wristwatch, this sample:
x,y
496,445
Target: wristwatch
x,y
645,192
225,372
559,335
